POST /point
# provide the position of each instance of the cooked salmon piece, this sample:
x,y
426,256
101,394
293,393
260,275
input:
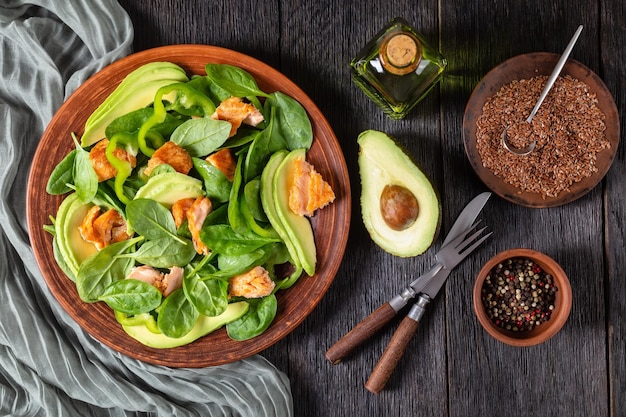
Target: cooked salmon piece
x,y
86,229
196,214
172,281
100,163
224,161
308,191
103,229
236,111
172,154
165,283
145,273
179,210
255,283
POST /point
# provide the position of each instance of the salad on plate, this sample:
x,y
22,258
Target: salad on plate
x,y
187,203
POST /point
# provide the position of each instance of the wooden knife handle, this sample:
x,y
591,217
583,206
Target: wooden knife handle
x,y
391,356
370,325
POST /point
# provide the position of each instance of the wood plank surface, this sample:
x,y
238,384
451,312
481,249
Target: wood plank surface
x,y
569,371
451,367
613,72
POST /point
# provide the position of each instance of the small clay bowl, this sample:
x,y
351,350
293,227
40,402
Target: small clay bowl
x,y
543,331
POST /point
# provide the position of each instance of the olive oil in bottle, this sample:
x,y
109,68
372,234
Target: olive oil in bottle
x,y
397,68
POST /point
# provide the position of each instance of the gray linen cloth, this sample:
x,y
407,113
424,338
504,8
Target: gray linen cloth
x,y
48,365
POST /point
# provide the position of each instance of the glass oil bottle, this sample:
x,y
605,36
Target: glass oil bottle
x,y
397,68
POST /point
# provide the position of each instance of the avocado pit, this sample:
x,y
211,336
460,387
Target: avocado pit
x,y
398,207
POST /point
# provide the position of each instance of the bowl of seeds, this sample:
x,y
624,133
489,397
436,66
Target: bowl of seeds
x,y
522,297
576,130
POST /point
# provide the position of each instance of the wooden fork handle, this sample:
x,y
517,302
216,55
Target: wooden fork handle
x,y
368,327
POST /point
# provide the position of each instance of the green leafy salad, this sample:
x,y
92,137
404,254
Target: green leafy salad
x,y
179,208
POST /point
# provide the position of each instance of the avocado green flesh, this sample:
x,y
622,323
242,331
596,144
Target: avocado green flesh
x,y
73,249
203,326
136,91
145,73
269,203
382,162
298,227
169,187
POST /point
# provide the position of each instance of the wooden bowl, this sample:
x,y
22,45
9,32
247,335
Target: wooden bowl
x,y
330,225
524,67
541,332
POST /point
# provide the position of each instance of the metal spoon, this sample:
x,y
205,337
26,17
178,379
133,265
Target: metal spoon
x,y
555,73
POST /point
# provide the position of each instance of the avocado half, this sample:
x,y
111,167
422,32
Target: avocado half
x,y
384,166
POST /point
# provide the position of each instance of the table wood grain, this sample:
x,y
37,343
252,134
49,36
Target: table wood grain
x,y
452,367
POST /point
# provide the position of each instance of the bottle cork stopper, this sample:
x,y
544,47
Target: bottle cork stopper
x,y
400,53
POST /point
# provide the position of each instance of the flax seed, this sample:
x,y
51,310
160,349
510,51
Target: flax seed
x,y
569,129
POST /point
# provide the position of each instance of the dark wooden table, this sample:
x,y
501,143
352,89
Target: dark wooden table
x,y
452,367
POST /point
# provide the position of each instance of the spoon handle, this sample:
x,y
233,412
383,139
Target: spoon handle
x,y
555,72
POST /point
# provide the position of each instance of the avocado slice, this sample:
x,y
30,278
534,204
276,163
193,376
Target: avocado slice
x,y
204,325
72,248
399,205
297,227
169,187
269,204
137,90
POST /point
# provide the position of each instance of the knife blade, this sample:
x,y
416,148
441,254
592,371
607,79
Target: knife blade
x,y
409,325
381,316
463,222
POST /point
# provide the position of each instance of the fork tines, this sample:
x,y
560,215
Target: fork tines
x,y
466,244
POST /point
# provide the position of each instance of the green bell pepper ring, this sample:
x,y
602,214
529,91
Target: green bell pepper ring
x,y
186,97
145,319
123,168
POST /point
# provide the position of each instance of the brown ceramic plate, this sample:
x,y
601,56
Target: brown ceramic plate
x,y
330,225
524,67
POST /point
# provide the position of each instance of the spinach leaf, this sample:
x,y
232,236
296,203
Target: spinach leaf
x,y
279,255
106,197
236,81
131,296
177,315
132,122
224,240
235,218
165,252
292,121
243,136
151,220
256,320
218,216
201,84
231,265
208,296
85,177
102,268
216,184
62,175
252,195
201,136
261,148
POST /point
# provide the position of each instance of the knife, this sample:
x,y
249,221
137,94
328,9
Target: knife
x,y
407,328
381,316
